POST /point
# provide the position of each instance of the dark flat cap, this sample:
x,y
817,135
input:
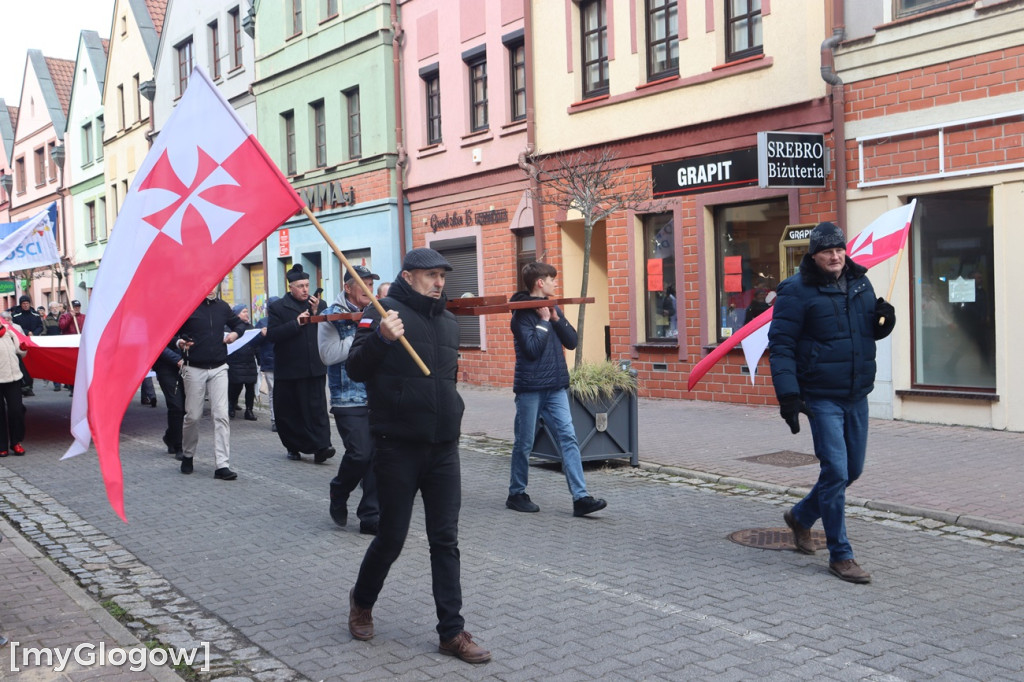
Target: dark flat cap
x,y
362,271
25,297
76,304
425,259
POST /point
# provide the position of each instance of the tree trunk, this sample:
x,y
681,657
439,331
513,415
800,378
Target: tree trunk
x,y
588,237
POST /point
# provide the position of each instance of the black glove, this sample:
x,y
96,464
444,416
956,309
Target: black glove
x,y
790,407
885,318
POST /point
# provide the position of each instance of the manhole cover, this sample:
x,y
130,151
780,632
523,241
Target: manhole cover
x,y
774,538
783,458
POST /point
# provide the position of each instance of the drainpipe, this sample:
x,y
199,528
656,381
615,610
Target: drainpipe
x,y
531,133
828,74
403,158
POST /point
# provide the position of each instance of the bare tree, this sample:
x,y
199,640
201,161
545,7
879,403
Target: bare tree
x,y
596,184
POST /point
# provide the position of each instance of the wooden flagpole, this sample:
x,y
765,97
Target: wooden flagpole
x,y
892,281
355,275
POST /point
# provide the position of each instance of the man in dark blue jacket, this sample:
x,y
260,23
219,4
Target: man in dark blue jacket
x,y
822,350
416,420
541,385
265,357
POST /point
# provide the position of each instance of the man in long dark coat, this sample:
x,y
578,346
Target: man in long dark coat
x,y
300,390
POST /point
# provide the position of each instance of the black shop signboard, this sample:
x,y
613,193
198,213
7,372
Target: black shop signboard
x,y
706,173
791,159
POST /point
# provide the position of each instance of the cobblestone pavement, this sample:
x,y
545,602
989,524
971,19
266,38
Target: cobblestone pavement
x,y
648,589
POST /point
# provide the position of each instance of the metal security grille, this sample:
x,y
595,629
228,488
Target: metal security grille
x,y
461,280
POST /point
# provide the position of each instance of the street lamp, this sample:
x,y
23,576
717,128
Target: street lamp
x,y
148,90
57,154
7,181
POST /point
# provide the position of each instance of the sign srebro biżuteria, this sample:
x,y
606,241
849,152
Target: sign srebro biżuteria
x,y
790,159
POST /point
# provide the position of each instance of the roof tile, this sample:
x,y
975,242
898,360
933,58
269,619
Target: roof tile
x,y
62,72
157,10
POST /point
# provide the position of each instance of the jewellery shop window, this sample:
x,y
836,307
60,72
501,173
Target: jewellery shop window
x,y
747,261
660,278
954,312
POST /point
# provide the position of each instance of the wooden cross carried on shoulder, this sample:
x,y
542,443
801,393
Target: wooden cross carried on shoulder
x,y
474,305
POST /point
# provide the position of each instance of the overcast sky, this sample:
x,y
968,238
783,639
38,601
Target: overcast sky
x,y
48,25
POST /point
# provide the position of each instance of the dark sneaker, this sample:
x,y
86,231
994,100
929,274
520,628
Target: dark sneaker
x,y
368,527
225,474
249,416
294,456
186,465
801,536
521,502
360,620
339,512
587,505
850,571
17,449
462,646
323,454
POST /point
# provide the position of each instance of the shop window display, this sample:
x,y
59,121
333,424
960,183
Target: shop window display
x,y
952,284
660,278
747,261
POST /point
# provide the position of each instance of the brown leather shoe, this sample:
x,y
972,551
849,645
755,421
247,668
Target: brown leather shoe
x,y
850,571
360,620
801,536
463,646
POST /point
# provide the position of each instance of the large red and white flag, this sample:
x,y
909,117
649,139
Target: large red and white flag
x,y
879,241
206,195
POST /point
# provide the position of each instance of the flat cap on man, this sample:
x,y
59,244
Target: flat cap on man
x,y
76,304
362,271
424,259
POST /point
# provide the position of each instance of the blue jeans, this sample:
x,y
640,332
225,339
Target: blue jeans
x,y
840,432
554,407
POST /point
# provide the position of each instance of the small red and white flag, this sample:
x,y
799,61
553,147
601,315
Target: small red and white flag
x,y
206,195
883,238
879,241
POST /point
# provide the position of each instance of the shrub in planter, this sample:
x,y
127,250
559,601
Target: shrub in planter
x,y
603,403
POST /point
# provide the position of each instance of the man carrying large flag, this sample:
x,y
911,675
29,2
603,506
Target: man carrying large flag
x,y
822,352
206,195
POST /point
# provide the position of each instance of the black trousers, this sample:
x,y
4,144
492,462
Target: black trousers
x,y
300,410
12,415
235,390
173,388
356,464
402,469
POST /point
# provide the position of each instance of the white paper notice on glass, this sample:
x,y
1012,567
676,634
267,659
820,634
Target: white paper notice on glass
x,y
961,290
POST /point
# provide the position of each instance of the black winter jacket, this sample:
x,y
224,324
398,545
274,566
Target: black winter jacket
x,y
296,354
242,363
822,340
205,326
403,402
540,360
